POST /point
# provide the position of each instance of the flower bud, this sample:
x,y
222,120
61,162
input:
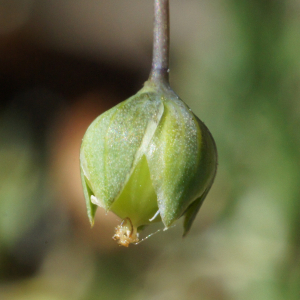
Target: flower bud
x,y
148,159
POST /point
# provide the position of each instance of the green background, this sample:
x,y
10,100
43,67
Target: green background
x,y
235,63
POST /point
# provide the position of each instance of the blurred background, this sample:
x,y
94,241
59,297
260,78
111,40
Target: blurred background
x,y
236,63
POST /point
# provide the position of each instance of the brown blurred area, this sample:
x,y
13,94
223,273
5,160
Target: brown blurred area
x,y
235,63
50,92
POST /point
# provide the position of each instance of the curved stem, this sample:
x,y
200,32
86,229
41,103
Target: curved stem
x,y
161,41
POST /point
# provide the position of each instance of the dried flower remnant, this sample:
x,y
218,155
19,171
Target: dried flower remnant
x,y
126,234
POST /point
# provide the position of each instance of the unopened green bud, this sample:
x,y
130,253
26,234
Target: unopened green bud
x,y
148,159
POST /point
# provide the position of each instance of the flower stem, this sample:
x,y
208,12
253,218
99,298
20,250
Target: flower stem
x,y
161,41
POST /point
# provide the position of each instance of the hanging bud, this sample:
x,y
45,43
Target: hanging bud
x,y
148,159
